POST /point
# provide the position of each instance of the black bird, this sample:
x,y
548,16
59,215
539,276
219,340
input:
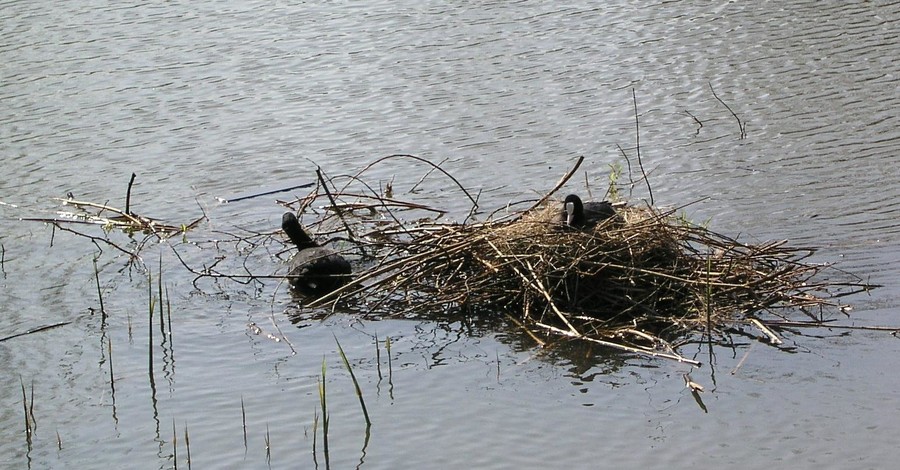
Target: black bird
x,y
580,215
315,270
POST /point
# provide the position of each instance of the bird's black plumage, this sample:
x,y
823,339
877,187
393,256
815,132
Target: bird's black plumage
x,y
315,270
580,215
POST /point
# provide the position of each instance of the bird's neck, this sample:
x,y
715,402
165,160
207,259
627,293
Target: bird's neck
x,y
299,237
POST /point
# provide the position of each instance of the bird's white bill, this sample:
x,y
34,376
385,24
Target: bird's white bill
x,y
570,213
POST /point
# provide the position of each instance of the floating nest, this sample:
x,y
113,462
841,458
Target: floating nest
x,y
645,281
642,280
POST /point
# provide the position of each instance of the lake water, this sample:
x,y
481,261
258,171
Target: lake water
x,y
214,99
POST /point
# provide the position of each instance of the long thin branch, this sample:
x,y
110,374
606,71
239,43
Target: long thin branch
x,y
35,330
637,129
559,184
740,124
420,159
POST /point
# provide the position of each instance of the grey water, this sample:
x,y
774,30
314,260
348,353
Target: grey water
x,y
206,100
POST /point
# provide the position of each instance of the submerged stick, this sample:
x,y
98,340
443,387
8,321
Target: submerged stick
x,y
35,330
699,124
741,362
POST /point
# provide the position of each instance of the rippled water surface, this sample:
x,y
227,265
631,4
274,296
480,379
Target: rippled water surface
x,y
215,99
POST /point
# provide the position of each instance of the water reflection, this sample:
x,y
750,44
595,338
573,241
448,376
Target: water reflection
x,y
207,103
439,335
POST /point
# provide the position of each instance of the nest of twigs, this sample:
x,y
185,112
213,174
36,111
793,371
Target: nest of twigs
x,y
645,281
639,281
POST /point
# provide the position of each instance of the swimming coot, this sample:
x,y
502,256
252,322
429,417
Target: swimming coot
x,y
580,215
315,270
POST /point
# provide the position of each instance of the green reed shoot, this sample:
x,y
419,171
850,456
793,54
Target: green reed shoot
x,y
99,293
709,296
31,407
174,445
112,380
151,306
152,300
268,446
615,171
159,282
28,421
187,445
315,435
169,316
387,348
244,422
362,402
324,416
378,357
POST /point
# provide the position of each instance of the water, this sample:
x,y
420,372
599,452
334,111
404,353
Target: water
x,y
213,99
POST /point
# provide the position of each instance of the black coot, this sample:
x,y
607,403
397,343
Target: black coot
x,y
580,215
315,270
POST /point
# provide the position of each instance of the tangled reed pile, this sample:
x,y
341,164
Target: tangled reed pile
x,y
644,281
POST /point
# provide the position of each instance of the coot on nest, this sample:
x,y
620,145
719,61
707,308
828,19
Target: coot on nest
x,y
580,215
